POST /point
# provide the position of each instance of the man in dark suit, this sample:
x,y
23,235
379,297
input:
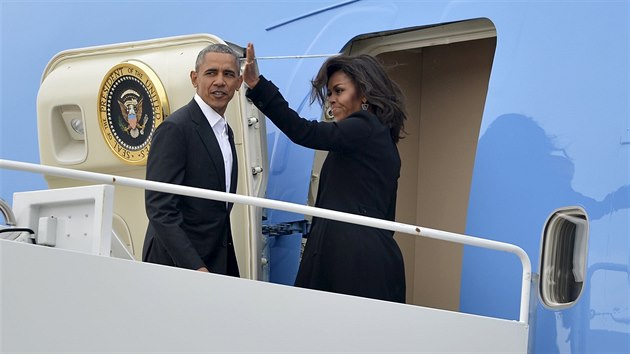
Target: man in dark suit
x,y
194,147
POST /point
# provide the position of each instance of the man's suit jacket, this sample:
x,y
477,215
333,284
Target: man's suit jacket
x,y
183,231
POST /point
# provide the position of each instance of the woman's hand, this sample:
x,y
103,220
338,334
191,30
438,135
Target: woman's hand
x,y
249,73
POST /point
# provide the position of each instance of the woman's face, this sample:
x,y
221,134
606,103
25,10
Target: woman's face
x,y
342,96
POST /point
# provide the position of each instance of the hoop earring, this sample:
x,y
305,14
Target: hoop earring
x,y
365,106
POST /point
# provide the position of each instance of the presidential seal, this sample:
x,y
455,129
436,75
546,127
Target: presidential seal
x,y
131,104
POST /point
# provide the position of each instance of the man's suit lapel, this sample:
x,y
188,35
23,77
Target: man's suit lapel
x,y
234,165
234,161
209,140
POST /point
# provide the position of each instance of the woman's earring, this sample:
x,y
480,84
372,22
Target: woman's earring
x,y
328,112
365,106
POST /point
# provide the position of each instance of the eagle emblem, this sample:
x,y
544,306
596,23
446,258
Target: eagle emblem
x,y
132,121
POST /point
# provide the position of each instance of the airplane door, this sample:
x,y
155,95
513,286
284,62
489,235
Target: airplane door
x,y
79,128
444,72
250,138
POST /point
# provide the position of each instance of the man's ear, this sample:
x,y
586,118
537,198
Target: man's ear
x,y
193,78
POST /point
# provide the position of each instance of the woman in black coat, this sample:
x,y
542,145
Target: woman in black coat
x,y
359,176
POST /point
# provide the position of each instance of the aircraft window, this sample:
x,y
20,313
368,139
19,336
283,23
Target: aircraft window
x,y
563,258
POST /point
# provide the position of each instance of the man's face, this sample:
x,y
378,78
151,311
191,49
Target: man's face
x,y
216,80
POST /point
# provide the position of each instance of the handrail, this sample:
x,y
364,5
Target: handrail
x,y
295,208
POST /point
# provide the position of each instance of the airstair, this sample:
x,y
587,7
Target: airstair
x,y
56,299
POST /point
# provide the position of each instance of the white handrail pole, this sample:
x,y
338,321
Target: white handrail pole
x,y
291,207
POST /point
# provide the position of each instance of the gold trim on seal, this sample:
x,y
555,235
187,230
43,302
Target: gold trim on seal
x,y
127,92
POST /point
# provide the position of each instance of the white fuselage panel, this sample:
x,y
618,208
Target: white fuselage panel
x,y
55,300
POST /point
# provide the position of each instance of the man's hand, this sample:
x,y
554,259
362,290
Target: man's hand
x,y
203,269
249,73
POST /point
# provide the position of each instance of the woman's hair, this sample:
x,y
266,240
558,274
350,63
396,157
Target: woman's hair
x,y
384,96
